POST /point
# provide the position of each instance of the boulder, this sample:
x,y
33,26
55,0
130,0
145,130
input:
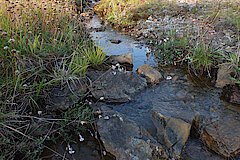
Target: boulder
x,y
224,75
150,73
172,132
223,135
125,139
122,59
115,86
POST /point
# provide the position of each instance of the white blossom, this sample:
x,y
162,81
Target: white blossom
x,y
39,113
81,138
70,149
168,78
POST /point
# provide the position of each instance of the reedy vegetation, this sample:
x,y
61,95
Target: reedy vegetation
x,y
42,45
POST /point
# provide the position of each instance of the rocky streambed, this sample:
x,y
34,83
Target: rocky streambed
x,y
161,113
174,118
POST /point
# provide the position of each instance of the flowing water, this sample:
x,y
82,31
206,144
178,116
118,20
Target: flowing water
x,y
180,96
183,96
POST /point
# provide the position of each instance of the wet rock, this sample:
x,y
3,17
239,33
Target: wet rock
x,y
150,73
223,136
224,75
124,59
126,140
63,98
116,86
195,150
231,93
172,132
115,41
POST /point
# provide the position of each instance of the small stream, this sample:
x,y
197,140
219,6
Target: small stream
x,y
141,53
181,96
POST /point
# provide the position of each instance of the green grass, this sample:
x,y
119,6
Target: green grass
x,y
42,46
122,12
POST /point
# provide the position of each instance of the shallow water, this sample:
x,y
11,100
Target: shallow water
x,y
139,51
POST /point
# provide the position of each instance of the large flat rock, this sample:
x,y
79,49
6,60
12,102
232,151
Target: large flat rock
x,y
116,86
173,132
223,135
125,139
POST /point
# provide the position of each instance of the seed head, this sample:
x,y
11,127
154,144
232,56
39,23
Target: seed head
x,y
6,48
11,41
13,50
4,33
17,72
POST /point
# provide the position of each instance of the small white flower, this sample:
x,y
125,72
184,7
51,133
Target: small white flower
x,y
81,138
90,103
101,98
104,153
70,150
113,67
6,48
168,78
25,85
39,113
11,41
121,119
100,116
165,40
83,122
17,72
106,117
91,133
114,73
4,33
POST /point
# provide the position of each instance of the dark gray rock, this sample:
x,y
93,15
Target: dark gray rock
x,y
125,139
115,86
195,150
115,41
172,132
